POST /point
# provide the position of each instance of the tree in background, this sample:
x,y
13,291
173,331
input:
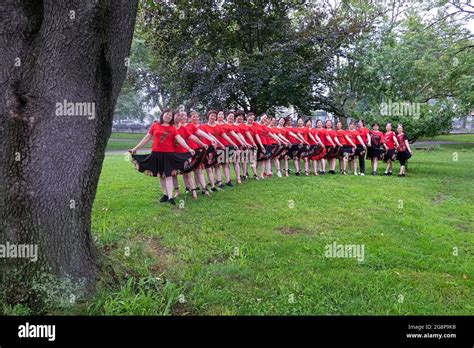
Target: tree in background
x,y
248,54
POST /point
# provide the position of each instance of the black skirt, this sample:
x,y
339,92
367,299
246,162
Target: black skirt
x,y
267,154
390,155
210,157
294,151
319,153
375,152
346,151
279,151
403,155
359,151
163,164
196,160
333,152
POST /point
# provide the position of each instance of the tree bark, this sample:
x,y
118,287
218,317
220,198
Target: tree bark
x,y
51,52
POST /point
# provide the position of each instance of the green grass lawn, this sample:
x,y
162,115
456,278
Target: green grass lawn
x,y
451,137
124,144
134,136
259,249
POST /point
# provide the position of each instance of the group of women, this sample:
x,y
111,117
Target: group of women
x,y
183,145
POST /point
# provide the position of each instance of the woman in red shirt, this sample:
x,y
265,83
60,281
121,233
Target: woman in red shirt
x,y
189,135
225,156
256,143
310,144
321,133
318,149
212,155
266,137
245,151
359,150
237,140
163,161
295,136
403,150
279,143
211,144
391,141
347,147
333,148
364,135
281,132
377,148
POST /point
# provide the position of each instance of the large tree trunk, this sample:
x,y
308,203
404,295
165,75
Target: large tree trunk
x,y
52,51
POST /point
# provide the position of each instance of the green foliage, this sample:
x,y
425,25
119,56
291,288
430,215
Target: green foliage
x,y
145,296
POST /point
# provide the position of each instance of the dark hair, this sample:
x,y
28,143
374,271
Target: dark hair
x,y
363,122
318,120
340,123
250,114
309,119
326,123
164,112
298,119
228,113
375,123
212,111
287,122
352,123
240,113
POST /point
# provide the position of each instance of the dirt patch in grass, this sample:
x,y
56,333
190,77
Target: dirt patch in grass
x,y
292,230
160,252
439,198
181,309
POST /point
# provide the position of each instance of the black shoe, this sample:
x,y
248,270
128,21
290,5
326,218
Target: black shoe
x,y
205,192
171,201
214,189
188,190
164,198
221,186
385,174
297,173
332,172
229,184
374,173
389,173
400,175
323,172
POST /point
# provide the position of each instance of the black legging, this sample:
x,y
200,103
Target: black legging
x,y
362,163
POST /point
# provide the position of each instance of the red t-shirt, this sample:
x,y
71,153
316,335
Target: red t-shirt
x,y
291,138
163,138
363,134
352,134
275,131
192,129
315,132
401,142
224,130
323,133
307,137
215,131
376,138
185,134
262,132
341,136
332,134
388,137
244,128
